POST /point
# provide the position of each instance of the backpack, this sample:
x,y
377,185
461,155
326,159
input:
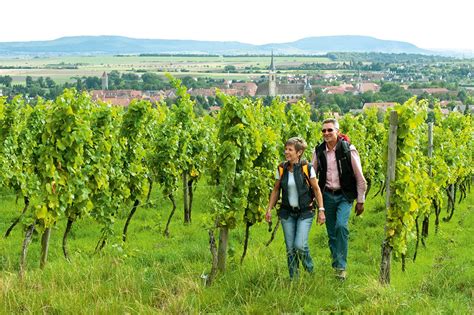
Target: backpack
x,y
305,168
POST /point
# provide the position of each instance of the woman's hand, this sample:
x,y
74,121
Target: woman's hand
x,y
321,217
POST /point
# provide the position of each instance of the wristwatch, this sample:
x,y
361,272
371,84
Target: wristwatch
x,y
322,209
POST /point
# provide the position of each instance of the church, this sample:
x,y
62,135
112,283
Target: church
x,y
287,91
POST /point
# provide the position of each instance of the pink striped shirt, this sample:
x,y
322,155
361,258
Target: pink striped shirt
x,y
332,174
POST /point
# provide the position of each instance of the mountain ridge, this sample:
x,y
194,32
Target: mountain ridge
x,y
105,44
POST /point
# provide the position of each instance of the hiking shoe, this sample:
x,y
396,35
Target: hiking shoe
x,y
341,274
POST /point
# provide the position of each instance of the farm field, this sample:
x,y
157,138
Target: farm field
x,y
64,69
154,274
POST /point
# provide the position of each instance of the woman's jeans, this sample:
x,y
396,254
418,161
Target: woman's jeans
x,y
337,213
296,231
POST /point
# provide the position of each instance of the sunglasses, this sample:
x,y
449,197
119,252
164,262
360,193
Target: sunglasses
x,y
327,130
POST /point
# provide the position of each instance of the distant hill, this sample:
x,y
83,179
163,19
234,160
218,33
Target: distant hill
x,y
352,43
92,45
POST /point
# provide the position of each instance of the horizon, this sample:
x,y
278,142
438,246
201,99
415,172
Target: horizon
x,y
422,23
439,50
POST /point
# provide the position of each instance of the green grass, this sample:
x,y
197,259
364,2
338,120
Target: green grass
x,y
153,274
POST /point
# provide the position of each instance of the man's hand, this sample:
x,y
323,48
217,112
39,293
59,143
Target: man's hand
x,y
359,208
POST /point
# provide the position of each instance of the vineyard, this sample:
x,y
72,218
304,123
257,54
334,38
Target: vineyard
x,y
165,206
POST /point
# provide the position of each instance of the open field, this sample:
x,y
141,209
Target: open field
x,y
155,274
59,68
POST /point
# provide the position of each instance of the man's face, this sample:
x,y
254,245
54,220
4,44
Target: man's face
x,y
329,132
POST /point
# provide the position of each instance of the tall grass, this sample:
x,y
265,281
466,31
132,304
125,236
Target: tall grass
x,y
154,274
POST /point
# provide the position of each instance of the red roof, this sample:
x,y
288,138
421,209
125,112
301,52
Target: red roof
x,y
436,90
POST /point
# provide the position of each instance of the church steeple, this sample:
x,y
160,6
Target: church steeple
x,y
272,79
272,65
307,87
105,81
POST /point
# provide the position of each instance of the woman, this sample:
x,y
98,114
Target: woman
x,y
296,211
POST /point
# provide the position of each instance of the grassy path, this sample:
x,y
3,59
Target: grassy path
x,y
153,274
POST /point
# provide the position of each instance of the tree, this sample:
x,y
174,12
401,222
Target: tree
x,y
230,68
50,83
29,81
6,80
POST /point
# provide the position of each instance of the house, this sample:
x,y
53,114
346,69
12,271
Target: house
x,y
469,109
446,103
124,97
354,111
367,87
132,94
430,91
202,92
116,97
436,90
334,90
249,88
383,106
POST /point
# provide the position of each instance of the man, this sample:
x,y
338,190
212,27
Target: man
x,y
341,181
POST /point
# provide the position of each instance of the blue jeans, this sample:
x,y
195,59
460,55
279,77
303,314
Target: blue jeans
x,y
337,213
296,231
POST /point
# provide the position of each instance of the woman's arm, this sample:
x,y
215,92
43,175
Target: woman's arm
x,y
273,200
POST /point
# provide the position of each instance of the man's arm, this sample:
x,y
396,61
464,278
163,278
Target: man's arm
x,y
360,180
314,160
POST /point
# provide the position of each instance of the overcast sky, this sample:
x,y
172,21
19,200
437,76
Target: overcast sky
x,y
425,23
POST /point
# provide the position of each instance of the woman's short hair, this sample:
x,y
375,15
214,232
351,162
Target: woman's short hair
x,y
332,121
298,143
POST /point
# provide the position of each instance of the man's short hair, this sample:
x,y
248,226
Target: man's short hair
x,y
332,121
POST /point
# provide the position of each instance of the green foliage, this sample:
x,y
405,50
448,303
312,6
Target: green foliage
x,y
367,134
299,124
107,180
12,120
414,189
134,136
410,190
62,158
75,158
240,143
163,157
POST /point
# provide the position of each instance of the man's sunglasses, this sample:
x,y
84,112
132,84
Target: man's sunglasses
x,y
328,130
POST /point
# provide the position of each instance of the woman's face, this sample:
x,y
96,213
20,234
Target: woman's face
x,y
291,155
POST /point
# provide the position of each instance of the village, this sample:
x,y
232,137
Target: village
x,y
291,89
338,85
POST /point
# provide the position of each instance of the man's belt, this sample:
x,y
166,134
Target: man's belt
x,y
333,191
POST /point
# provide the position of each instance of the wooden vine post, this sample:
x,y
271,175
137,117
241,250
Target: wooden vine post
x,y
426,221
392,157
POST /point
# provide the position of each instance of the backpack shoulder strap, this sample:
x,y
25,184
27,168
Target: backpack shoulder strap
x,y
320,151
346,151
305,166
281,169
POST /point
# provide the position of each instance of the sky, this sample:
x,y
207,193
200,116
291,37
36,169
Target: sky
x,y
444,25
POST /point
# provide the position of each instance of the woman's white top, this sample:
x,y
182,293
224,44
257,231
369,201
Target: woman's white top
x,y
292,191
